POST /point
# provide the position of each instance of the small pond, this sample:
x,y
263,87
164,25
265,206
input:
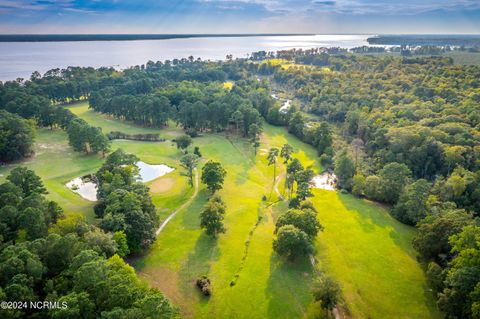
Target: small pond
x,y
85,187
149,172
326,180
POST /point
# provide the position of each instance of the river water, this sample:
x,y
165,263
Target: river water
x,y
21,59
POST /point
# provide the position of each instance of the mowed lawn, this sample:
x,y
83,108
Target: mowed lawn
x,y
57,163
109,123
371,255
362,246
264,286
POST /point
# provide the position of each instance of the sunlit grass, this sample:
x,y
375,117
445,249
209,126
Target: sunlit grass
x,y
365,249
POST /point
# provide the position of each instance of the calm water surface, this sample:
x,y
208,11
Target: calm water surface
x,y
22,59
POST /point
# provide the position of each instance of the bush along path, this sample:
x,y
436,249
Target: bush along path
x,y
186,204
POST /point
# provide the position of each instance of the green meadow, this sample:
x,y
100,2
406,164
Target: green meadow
x,y
362,246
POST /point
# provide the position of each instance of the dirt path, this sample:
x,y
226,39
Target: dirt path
x,y
187,203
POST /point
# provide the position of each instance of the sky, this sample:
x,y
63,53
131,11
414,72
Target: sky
x,y
240,16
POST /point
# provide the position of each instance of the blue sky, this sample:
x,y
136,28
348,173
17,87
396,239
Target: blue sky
x,y
239,16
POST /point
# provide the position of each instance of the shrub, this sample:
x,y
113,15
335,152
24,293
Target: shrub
x,y
204,285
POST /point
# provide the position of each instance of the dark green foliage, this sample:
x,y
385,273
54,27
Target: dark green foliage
x,y
286,153
27,181
211,218
86,138
393,178
78,267
116,135
196,105
344,170
272,160
204,285
16,137
305,220
411,206
327,291
254,131
435,276
183,142
296,230
292,242
189,162
126,203
460,298
213,175
432,239
196,151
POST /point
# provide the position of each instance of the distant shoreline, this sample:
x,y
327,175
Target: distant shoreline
x,y
467,40
127,37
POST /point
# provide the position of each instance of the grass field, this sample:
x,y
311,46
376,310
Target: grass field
x,y
371,255
109,124
56,162
365,249
265,286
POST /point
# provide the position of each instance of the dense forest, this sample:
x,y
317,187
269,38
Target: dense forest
x,y
408,136
47,256
396,130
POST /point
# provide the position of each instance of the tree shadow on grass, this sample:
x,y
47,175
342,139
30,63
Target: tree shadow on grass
x,y
197,265
191,213
371,215
288,287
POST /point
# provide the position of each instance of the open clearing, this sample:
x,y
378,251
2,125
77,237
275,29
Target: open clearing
x,y
362,246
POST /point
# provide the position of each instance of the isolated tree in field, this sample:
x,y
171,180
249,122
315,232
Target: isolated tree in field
x,y
27,181
183,142
286,153
303,219
272,160
344,170
327,291
189,162
213,175
254,135
211,218
292,242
